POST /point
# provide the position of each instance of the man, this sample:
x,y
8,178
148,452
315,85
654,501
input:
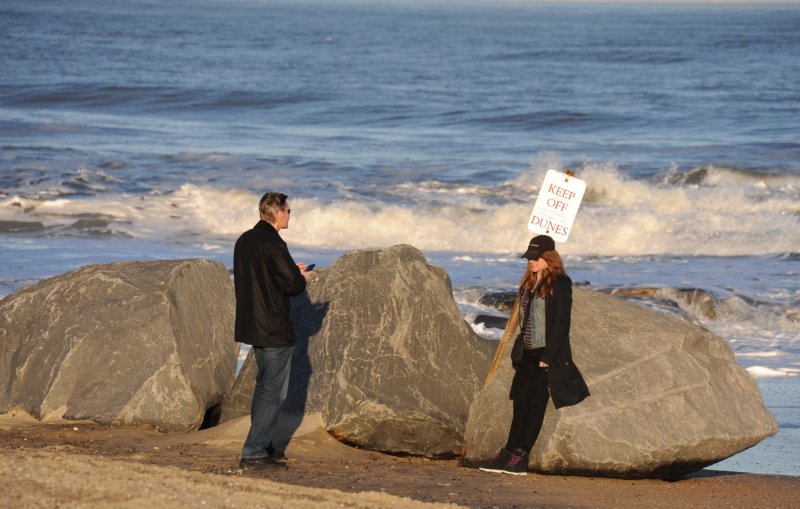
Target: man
x,y
265,278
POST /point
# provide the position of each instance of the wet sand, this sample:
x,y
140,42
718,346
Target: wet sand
x,y
84,464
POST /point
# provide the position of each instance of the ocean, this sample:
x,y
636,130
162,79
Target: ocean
x,y
141,129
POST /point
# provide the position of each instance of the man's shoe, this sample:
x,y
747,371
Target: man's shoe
x,y
261,463
276,454
517,464
497,463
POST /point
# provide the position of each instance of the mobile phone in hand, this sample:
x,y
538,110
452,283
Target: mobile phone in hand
x,y
309,268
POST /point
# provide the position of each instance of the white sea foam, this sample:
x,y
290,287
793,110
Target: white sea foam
x,y
763,371
727,214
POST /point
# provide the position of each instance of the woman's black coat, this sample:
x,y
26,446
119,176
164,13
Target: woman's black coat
x,y
567,386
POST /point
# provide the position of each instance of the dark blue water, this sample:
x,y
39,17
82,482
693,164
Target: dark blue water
x,y
475,90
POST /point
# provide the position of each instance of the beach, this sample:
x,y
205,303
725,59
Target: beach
x,y
84,464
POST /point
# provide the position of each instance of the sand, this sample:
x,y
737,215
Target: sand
x,y
84,464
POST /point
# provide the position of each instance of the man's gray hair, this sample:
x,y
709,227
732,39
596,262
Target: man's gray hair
x,y
270,204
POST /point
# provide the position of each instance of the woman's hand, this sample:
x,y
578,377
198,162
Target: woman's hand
x,y
543,364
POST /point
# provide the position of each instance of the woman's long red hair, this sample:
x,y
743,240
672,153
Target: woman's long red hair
x,y
555,269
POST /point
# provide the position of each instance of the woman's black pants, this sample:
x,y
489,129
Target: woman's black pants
x,y
530,393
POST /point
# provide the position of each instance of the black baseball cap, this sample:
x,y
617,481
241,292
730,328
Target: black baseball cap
x,y
538,245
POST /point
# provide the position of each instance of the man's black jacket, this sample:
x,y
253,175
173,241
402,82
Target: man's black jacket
x,y
265,277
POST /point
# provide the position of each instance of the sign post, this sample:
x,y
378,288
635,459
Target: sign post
x,y
557,204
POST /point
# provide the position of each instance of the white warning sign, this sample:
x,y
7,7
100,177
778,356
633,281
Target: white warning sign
x,y
557,204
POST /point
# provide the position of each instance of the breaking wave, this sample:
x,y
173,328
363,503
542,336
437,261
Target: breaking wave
x,y
706,211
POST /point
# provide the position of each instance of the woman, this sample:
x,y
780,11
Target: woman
x,y
541,355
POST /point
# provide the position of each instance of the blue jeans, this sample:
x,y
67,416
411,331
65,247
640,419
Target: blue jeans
x,y
272,387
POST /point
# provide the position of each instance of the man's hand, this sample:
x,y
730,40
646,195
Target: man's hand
x,y
307,274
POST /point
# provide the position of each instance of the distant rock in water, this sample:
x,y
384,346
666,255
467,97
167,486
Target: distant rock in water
x,y
501,301
668,398
383,354
493,322
700,303
20,226
124,343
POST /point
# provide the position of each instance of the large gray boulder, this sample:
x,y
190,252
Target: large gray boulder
x,y
383,354
668,398
126,343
